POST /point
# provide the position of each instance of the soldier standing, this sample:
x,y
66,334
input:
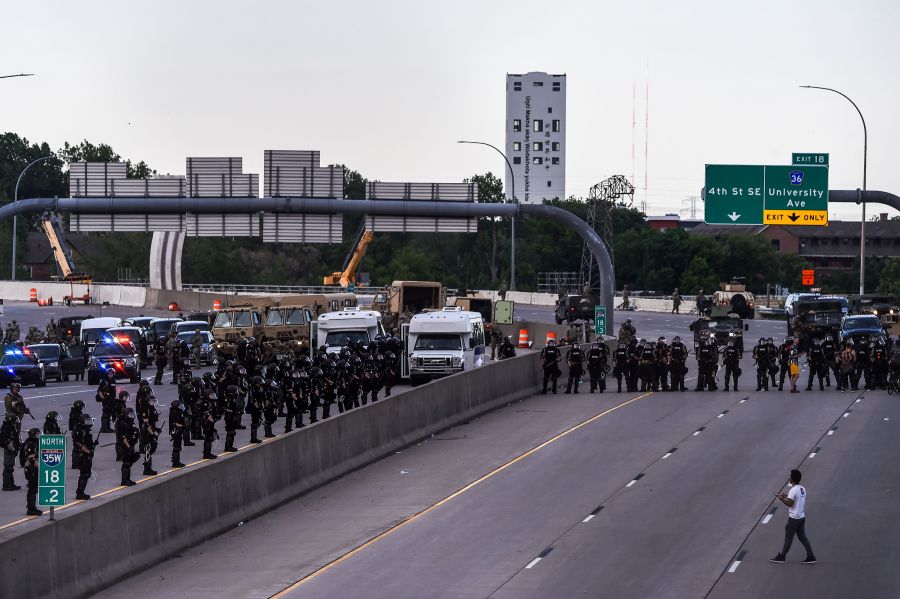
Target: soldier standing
x,y
28,458
11,442
85,443
51,334
496,339
550,357
597,365
15,404
676,302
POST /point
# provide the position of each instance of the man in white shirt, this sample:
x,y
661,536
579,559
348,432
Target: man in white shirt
x,y
795,499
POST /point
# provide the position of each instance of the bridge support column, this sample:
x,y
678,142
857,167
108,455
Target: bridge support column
x,y
165,260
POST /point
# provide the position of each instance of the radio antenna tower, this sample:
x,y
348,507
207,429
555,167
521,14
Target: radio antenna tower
x,y
604,196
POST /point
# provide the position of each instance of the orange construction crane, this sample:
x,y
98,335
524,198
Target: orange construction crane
x,y
347,276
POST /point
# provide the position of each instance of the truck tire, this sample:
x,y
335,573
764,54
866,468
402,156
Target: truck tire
x,y
739,305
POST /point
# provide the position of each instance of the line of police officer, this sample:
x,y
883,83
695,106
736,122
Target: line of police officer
x,y
660,366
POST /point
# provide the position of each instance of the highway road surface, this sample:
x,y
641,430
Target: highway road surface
x,y
588,495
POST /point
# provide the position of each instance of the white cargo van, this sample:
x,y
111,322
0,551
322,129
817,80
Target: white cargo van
x,y
334,328
93,328
444,342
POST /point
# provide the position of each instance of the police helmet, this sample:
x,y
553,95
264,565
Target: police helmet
x,y
817,342
231,389
196,380
52,415
207,375
389,355
256,380
128,413
829,337
78,404
730,343
323,349
34,432
111,373
124,395
661,340
176,404
788,340
15,386
144,383
87,421
849,342
317,372
242,371
761,341
676,339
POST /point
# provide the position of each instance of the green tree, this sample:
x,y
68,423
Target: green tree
x,y
890,278
699,275
89,152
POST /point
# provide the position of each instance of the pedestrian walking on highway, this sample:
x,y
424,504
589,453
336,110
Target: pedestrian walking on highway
x,y
795,499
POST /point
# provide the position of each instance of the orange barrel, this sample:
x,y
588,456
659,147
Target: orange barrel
x,y
551,336
173,307
217,304
32,295
523,337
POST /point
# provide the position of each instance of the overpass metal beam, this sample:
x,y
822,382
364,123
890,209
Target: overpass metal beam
x,y
869,196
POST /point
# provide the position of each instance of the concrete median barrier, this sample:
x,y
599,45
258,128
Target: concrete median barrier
x,y
89,547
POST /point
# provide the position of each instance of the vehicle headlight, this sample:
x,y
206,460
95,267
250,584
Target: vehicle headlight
x,y
129,362
92,363
54,364
457,361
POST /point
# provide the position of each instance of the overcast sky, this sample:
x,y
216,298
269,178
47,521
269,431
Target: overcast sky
x,y
387,87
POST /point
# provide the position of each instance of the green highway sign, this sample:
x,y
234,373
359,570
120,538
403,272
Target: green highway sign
x,y
599,320
766,194
52,470
811,159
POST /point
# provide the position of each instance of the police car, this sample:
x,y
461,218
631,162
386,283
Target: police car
x,y
117,354
20,364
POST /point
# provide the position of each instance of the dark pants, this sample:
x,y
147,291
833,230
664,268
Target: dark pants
x,y
160,367
796,526
31,478
575,373
9,463
177,439
551,373
731,373
84,473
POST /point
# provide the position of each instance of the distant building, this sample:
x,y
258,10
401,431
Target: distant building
x,y
536,136
833,247
39,259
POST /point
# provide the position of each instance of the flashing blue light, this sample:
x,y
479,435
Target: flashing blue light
x,y
102,366
14,352
11,371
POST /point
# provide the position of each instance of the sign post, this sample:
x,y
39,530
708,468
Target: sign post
x,y
600,320
766,195
52,471
809,277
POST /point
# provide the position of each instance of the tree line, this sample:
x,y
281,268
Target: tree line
x,y
645,258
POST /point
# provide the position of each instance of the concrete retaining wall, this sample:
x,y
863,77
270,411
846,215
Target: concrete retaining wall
x,y
87,549
119,295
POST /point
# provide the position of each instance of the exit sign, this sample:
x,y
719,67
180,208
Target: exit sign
x,y
811,159
52,470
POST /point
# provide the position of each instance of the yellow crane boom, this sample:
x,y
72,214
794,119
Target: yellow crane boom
x,y
348,275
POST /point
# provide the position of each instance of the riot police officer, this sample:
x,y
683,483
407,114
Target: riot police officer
x,y
28,458
661,365
707,364
761,355
255,404
231,413
161,357
647,366
128,436
176,431
51,423
208,422
678,353
507,349
880,365
86,444
830,350
575,361
11,442
550,357
620,364
815,359
597,366
732,360
106,396
784,360
149,435
75,414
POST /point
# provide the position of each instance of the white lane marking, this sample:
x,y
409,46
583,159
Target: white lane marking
x,y
829,433
533,563
667,455
734,566
846,414
589,518
858,400
767,518
812,455
58,394
634,480
886,419
743,400
695,433
720,415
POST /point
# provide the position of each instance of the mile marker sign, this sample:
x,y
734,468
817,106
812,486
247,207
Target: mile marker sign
x,y
52,470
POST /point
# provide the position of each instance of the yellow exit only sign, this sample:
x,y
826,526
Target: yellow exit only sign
x,y
795,217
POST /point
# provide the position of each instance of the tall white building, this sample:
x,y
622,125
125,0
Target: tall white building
x,y
536,136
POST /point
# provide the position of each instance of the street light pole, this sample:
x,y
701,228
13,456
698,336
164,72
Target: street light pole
x,y
16,199
862,226
512,220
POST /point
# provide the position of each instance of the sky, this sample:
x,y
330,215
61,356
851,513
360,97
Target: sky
x,y
388,87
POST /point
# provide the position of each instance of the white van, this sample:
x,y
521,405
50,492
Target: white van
x,y
333,328
444,342
93,328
